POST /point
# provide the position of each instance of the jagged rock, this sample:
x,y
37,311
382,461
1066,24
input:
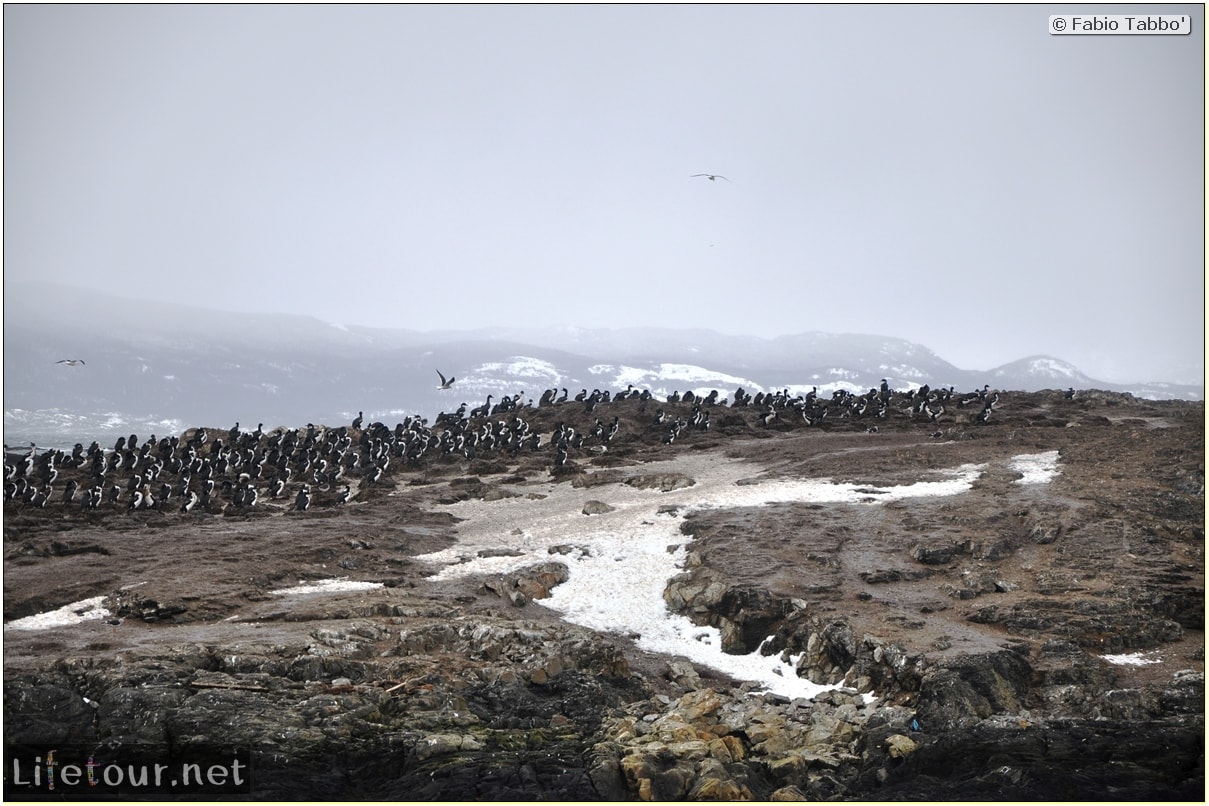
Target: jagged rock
x,y
960,592
788,793
744,615
533,582
665,482
683,674
697,592
1044,535
996,549
1185,694
699,704
438,744
51,711
127,604
933,555
595,507
719,789
885,575
899,746
598,478
985,615
500,552
973,687
537,581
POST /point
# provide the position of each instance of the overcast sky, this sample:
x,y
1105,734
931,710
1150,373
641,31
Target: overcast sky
x,y
956,176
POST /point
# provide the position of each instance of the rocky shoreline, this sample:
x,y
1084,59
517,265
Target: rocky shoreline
x,y
967,641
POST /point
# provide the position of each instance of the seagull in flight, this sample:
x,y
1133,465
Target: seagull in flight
x,y
445,384
71,362
712,177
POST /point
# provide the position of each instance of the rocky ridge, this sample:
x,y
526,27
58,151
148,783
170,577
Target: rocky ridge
x,y
981,623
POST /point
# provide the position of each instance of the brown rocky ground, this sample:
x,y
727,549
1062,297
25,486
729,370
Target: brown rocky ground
x,y
985,615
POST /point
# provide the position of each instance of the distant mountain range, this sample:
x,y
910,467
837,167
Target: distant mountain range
x,y
161,368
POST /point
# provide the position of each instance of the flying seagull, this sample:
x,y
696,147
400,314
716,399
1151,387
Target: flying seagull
x,y
712,177
445,384
71,362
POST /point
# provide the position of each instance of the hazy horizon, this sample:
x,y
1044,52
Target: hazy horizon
x,y
46,295
950,175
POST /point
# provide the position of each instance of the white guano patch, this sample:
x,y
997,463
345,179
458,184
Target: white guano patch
x,y
76,613
1134,659
1035,468
327,586
619,562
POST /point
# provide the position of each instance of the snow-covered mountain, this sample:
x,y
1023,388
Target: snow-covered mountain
x,y
1043,369
160,368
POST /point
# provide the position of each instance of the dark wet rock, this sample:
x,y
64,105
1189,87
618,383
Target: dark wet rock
x,y
1107,624
933,554
1066,760
1185,694
994,549
744,615
49,709
884,575
516,721
968,689
128,604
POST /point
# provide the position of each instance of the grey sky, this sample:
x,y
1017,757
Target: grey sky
x,y
952,175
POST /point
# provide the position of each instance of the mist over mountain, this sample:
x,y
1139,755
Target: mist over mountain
x,y
153,367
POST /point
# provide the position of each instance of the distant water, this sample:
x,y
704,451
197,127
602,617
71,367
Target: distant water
x,y
58,428
53,428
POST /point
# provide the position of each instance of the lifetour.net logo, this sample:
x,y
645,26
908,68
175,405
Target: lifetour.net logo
x,y
105,773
